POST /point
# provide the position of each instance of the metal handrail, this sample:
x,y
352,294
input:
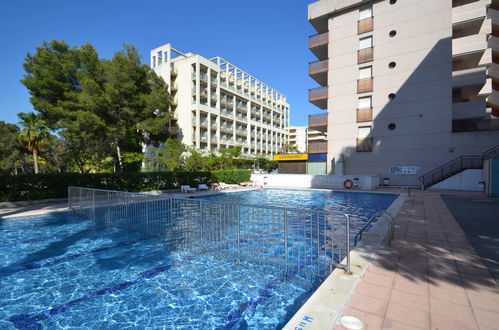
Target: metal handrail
x,y
384,215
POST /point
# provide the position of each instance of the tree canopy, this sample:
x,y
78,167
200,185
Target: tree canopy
x,y
101,108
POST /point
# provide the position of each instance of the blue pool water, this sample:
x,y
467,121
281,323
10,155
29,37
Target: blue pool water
x,y
64,271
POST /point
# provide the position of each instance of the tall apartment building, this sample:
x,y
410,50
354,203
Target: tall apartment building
x,y
408,84
218,105
297,136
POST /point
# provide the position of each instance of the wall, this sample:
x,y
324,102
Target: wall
x,y
468,180
314,181
494,177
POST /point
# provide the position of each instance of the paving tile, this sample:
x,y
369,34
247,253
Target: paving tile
x,y
444,322
379,278
457,296
484,301
375,291
410,300
369,304
408,285
407,315
396,325
487,318
371,321
451,310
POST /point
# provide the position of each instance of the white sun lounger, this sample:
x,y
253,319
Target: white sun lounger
x,y
187,189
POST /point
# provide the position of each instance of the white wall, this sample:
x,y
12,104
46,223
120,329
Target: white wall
x,y
314,181
467,180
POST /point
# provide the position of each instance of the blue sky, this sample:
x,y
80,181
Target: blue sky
x,y
266,38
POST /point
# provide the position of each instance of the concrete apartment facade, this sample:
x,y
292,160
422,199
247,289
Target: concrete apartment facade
x,y
408,84
217,105
297,136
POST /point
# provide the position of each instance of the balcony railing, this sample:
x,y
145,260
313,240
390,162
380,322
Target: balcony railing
x,y
318,40
364,85
365,55
365,25
318,67
365,145
364,115
317,120
317,94
317,147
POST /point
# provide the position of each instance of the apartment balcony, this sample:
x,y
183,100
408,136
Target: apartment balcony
x,y
365,55
469,44
319,147
318,44
469,12
364,115
469,110
318,122
365,85
365,145
318,97
318,71
365,25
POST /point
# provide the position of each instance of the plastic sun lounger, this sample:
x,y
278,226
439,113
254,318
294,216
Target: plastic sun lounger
x,y
187,189
203,187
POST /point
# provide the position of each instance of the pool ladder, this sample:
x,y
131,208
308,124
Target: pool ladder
x,y
382,215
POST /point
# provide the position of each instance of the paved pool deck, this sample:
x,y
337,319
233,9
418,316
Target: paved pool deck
x,y
433,277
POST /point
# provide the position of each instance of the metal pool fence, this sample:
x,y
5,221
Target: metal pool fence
x,y
296,240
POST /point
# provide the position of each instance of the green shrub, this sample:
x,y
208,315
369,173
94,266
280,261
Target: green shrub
x,y
45,186
231,176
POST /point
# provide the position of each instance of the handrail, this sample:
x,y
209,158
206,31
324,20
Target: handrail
x,y
384,215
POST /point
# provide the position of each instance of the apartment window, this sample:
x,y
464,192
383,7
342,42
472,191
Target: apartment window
x,y
366,42
154,61
365,132
366,72
365,102
365,13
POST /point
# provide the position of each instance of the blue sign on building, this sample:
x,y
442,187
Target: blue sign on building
x,y
317,157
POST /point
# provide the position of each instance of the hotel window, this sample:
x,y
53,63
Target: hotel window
x,y
366,72
366,42
365,132
365,13
365,102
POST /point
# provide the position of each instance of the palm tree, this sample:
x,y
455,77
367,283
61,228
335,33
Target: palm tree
x,y
288,148
34,134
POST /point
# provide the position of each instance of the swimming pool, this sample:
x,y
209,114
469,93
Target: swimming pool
x,y
62,270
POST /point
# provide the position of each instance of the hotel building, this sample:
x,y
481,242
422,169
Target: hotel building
x,y
409,85
217,105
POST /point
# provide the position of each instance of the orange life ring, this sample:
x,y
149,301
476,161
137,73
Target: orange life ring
x,y
348,184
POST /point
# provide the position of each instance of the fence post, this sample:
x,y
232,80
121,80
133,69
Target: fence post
x,y
348,244
286,238
238,233
93,204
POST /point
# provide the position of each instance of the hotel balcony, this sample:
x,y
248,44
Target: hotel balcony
x,y
365,85
318,97
469,44
364,115
317,147
469,110
318,71
469,12
365,145
318,44
318,122
365,25
365,55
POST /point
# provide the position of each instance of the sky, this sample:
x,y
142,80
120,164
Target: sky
x,y
266,38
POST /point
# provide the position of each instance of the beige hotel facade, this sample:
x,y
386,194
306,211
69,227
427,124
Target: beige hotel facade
x,y
217,105
408,85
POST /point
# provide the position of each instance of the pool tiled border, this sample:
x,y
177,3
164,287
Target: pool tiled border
x,y
323,308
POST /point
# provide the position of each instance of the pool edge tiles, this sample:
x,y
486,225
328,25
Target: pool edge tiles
x,y
324,307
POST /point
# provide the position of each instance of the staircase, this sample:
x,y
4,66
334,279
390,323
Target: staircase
x,y
456,166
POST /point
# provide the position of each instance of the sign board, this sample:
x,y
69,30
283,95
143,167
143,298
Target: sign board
x,y
411,170
291,157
